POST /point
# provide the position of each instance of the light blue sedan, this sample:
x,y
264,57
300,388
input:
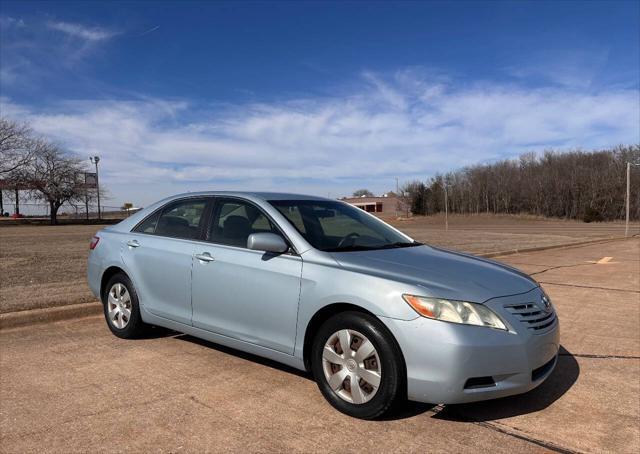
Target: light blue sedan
x,y
323,286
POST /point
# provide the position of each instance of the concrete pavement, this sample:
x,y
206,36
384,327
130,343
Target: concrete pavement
x,y
71,386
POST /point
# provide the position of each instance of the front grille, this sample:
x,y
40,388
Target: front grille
x,y
532,316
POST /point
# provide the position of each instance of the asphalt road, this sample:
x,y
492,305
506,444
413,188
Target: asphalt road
x,y
73,387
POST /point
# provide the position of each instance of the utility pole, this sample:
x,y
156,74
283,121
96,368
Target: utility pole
x,y
626,225
96,160
446,208
397,195
86,197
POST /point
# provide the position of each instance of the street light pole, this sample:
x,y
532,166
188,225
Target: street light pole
x,y
626,225
96,160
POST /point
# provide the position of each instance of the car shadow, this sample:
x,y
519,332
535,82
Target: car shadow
x,y
155,332
244,355
555,386
406,409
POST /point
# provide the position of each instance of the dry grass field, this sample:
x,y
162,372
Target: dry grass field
x,y
43,266
495,233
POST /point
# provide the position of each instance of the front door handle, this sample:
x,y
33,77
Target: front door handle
x,y
133,243
205,257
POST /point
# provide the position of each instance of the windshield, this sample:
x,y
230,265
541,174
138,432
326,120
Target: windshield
x,y
337,227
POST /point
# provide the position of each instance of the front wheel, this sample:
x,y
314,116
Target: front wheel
x,y
358,365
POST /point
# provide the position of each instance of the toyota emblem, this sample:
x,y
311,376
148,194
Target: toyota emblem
x,y
546,303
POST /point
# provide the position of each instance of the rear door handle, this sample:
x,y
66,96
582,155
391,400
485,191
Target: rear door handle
x,y
205,257
133,243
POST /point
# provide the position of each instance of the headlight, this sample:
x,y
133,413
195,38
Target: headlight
x,y
454,311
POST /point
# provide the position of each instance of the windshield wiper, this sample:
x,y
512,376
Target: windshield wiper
x,y
350,248
373,248
399,244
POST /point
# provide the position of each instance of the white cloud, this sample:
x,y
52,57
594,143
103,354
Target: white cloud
x,y
81,31
35,53
405,125
8,21
564,67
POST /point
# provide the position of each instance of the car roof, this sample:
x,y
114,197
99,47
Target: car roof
x,y
258,195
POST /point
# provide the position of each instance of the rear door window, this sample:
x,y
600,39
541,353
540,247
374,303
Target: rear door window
x,y
149,224
182,219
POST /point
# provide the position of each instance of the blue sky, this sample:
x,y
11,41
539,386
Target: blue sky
x,y
316,97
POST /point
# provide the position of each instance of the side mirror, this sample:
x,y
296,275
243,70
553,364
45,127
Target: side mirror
x,y
268,242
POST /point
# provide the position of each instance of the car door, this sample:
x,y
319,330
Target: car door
x,y
241,293
159,254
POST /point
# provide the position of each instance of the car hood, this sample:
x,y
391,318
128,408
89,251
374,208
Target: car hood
x,y
444,274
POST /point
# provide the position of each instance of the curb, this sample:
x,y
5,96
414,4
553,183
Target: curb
x,y
54,314
48,315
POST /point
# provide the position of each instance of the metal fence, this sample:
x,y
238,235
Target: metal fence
x,y
42,210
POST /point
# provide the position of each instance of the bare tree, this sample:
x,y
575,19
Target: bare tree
x,y
55,177
363,193
33,165
15,154
587,185
15,149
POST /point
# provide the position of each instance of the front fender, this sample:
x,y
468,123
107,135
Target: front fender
x,y
323,284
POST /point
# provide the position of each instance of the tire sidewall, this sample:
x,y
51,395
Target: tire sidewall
x,y
134,325
392,374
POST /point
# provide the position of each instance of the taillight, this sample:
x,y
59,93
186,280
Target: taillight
x,y
94,243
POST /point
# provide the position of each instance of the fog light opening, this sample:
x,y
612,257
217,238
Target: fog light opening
x,y
479,382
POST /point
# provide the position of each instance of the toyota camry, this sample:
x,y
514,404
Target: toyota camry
x,y
326,287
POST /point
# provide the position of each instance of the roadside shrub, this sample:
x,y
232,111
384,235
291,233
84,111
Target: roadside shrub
x,y
592,215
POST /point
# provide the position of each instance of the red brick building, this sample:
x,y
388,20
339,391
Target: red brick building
x,y
382,206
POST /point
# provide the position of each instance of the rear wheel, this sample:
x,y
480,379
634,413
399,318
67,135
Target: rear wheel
x,y
121,308
358,365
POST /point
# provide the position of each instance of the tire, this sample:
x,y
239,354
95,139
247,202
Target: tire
x,y
386,363
129,325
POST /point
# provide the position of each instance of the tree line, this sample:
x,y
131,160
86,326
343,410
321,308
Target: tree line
x,y
39,168
586,185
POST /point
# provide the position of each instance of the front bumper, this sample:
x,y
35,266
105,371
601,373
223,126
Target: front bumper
x,y
441,357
